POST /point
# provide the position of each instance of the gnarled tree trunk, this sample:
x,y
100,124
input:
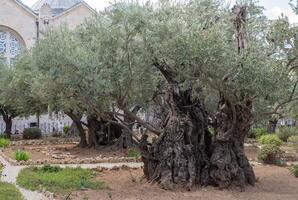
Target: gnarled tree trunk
x,y
229,165
179,157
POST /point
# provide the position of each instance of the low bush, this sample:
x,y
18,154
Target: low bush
x,y
56,134
21,156
31,133
257,132
270,139
295,170
293,140
284,133
270,154
133,153
50,169
58,180
4,142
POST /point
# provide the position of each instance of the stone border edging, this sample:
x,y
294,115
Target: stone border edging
x,y
96,160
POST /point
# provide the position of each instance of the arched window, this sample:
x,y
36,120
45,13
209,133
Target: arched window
x,y
10,45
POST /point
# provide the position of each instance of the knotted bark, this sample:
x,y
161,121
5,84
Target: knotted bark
x,y
229,165
179,157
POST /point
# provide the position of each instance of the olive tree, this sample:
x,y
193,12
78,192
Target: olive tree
x,y
179,51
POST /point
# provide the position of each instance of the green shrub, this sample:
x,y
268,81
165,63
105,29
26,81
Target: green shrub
x,y
4,142
50,169
270,139
285,132
257,132
293,140
31,133
64,180
66,130
21,156
270,154
133,153
295,170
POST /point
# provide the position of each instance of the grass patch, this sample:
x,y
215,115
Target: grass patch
x,y
58,180
9,192
4,142
133,153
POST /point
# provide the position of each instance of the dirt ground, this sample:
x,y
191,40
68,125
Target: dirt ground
x,y
38,152
274,183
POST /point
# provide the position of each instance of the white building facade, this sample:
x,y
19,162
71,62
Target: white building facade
x,y
21,27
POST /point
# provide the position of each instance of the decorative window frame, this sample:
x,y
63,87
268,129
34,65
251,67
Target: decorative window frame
x,y
13,44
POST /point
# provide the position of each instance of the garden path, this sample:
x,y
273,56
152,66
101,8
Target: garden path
x,y
10,173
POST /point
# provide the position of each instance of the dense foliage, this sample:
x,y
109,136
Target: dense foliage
x,y
270,154
270,139
31,133
285,132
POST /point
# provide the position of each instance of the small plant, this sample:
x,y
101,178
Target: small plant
x,y
21,156
284,133
66,130
295,170
4,142
1,169
270,139
31,133
257,133
133,153
50,169
293,140
270,154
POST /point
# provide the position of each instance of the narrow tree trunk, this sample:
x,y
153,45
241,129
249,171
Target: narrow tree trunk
x,y
92,128
126,138
229,165
8,126
82,135
77,121
38,119
271,126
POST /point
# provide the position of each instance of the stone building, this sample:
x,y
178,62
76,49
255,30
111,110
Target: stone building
x,y
20,28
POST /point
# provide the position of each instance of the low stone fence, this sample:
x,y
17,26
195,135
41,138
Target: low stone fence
x,y
70,160
46,141
289,157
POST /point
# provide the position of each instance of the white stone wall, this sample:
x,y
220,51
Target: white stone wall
x,y
48,122
73,17
17,18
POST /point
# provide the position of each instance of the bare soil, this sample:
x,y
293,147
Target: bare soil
x,y
45,152
274,183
